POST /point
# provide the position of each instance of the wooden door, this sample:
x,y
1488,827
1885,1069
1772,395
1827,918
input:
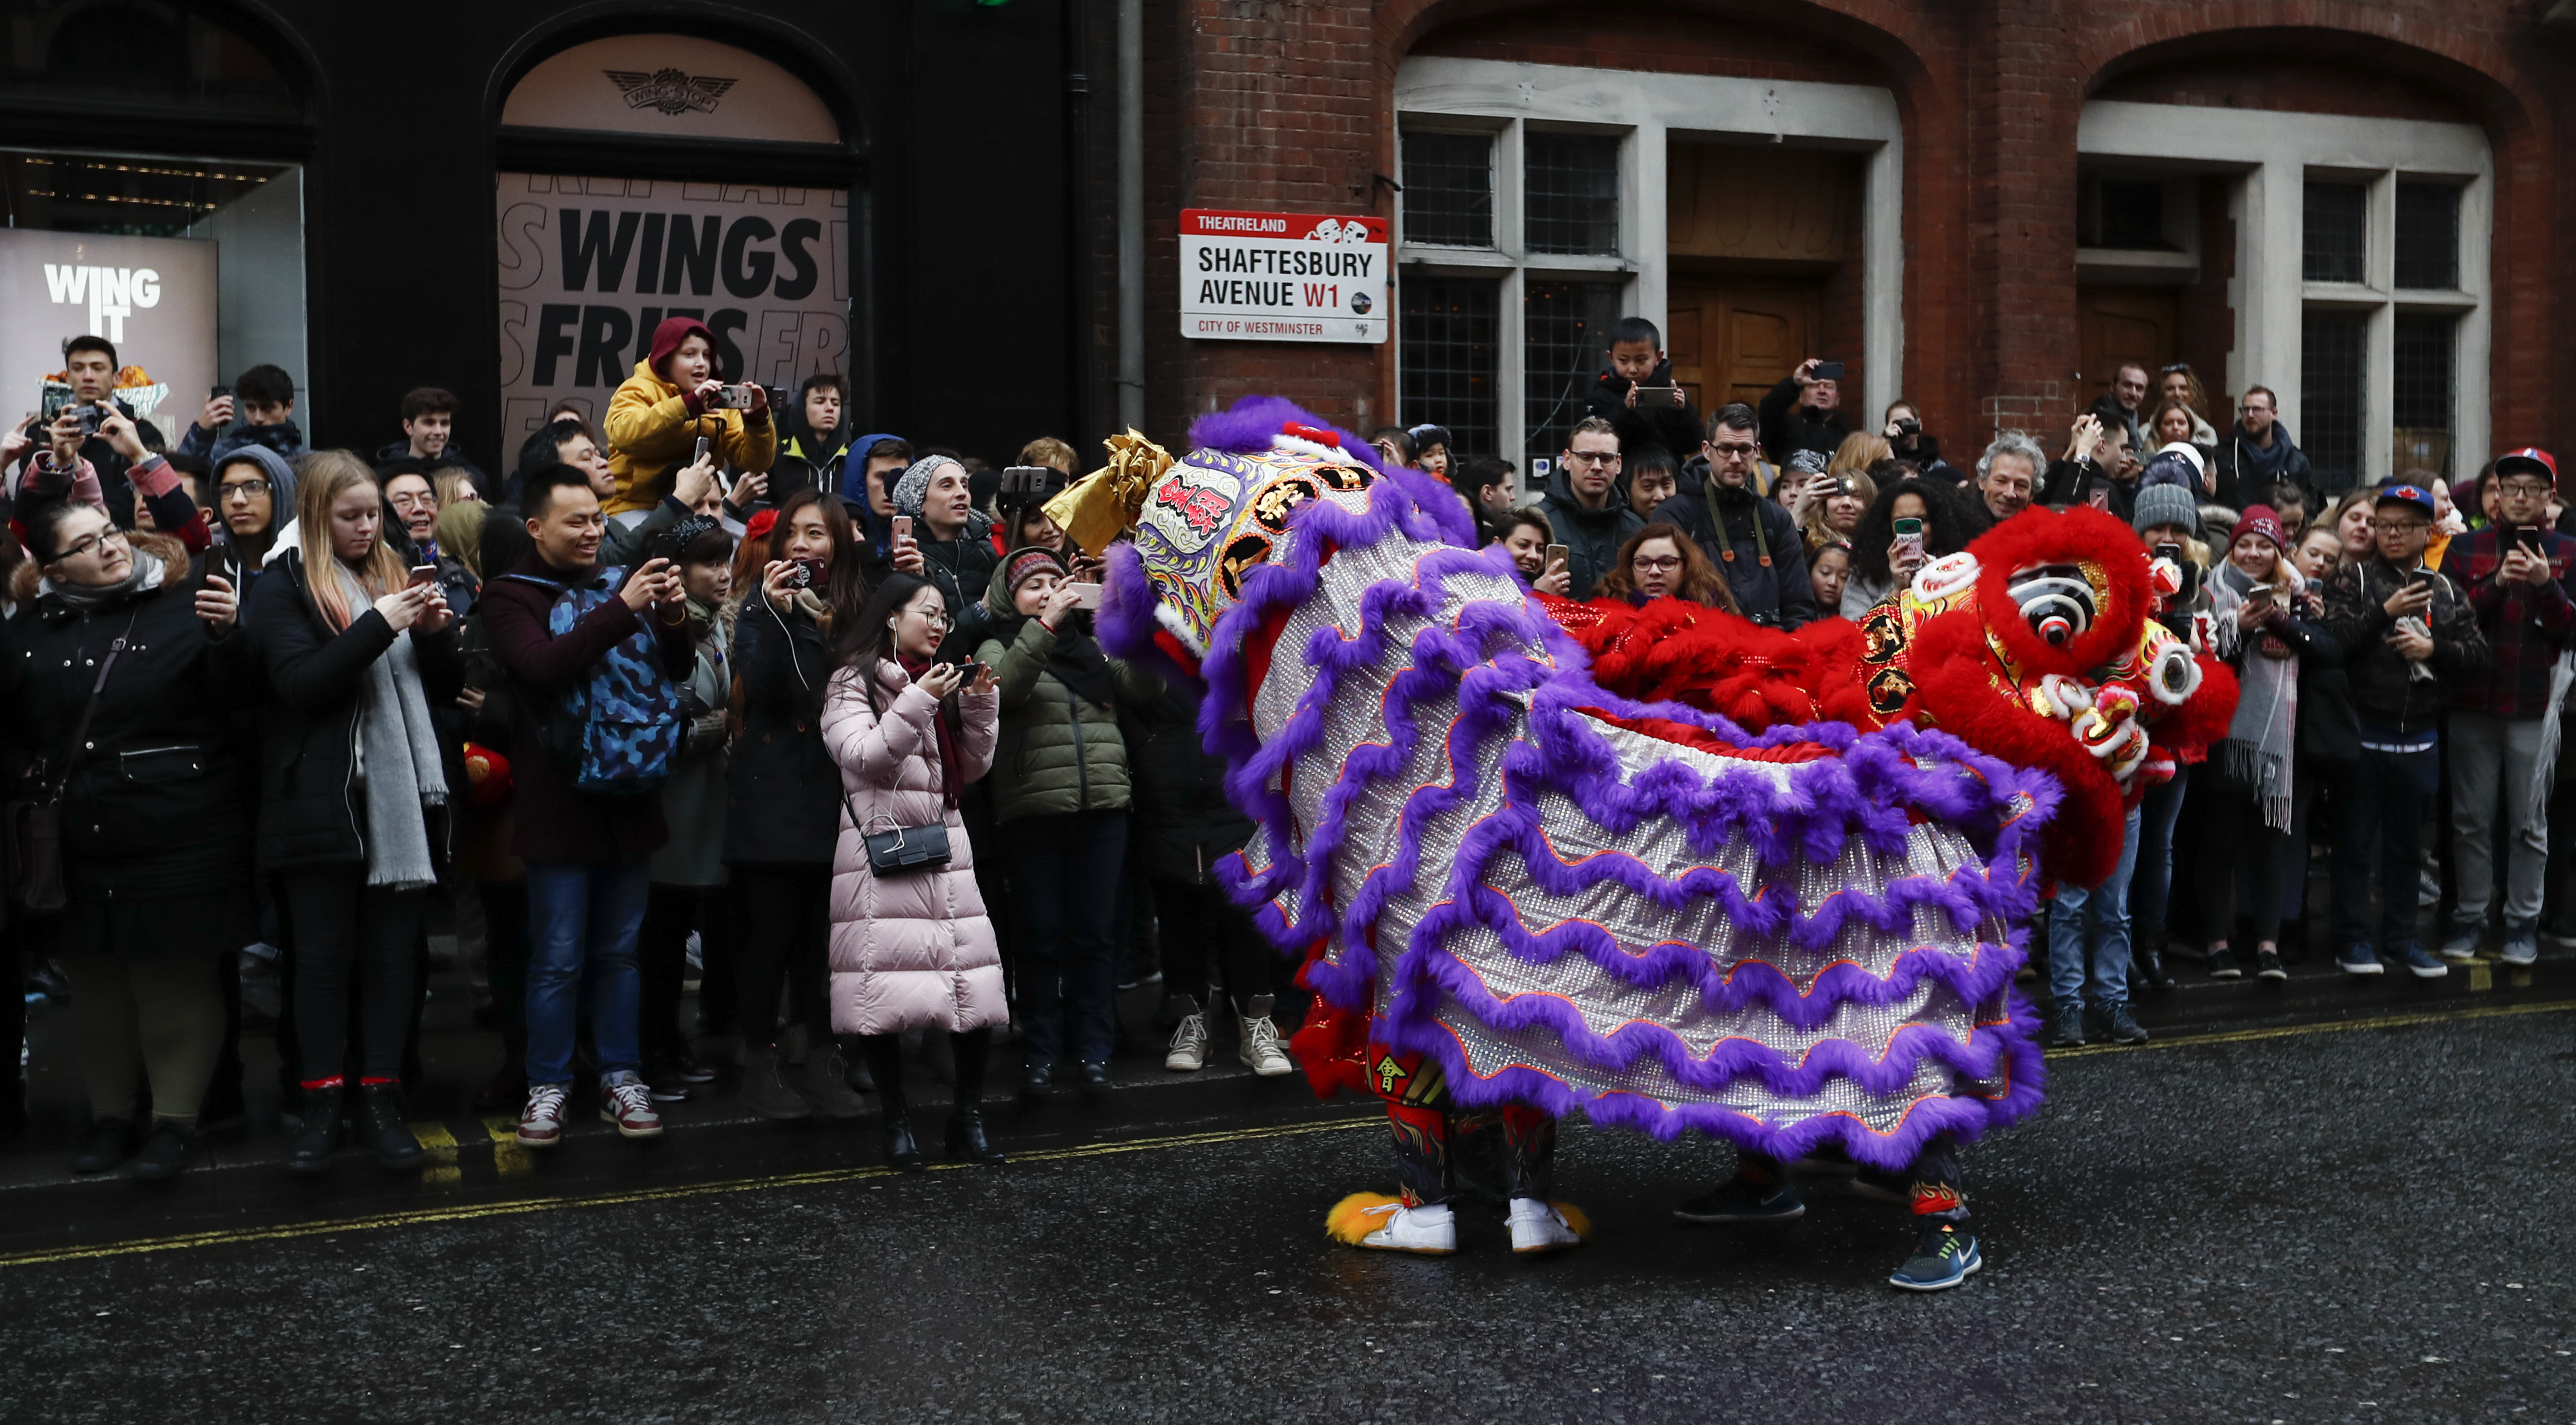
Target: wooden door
x,y
1734,340
2119,325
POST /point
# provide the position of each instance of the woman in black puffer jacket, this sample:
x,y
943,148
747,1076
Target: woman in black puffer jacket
x,y
155,812
353,791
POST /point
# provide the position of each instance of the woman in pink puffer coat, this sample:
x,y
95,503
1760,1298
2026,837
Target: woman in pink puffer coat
x,y
912,949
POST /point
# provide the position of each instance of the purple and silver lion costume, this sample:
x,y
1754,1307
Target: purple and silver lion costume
x,y
1517,893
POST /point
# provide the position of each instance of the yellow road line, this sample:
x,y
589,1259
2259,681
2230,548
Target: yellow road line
x,y
441,1147
505,1145
467,1212
2376,1021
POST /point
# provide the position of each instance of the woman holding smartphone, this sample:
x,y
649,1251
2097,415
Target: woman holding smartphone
x,y
1911,523
353,813
2266,631
911,948
781,810
1061,798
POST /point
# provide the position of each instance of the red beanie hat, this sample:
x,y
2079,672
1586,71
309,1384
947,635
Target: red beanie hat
x,y
2259,519
668,336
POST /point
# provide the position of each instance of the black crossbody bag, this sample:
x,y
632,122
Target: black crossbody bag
x,y
34,825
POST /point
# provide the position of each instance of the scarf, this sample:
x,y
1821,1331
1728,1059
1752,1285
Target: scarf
x,y
2257,750
144,577
952,769
397,754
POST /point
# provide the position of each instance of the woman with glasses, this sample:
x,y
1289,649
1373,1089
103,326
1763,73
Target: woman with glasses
x,y
117,682
912,946
1661,562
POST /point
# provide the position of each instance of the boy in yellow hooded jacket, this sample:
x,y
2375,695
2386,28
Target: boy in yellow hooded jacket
x,y
658,413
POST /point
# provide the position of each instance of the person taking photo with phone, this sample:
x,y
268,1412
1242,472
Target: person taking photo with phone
x,y
353,811
1582,503
2516,575
912,942
258,409
1061,798
781,809
939,535
675,396
588,848
89,367
2409,637
1636,395
117,681
1910,523
1804,412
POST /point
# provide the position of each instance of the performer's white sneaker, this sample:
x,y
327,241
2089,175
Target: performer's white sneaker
x,y
1538,1227
1188,1053
1432,1230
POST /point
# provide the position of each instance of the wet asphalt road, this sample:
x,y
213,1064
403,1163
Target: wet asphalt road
x,y
2351,1225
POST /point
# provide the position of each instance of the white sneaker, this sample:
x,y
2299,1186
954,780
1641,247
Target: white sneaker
x,y
628,1103
541,1123
1188,1053
1431,1230
1538,1227
1262,1052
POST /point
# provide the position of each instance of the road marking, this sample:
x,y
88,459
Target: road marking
x,y
468,1212
514,1160
2376,1021
510,1157
441,1147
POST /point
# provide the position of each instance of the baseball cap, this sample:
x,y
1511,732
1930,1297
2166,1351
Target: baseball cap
x,y
2415,495
2530,458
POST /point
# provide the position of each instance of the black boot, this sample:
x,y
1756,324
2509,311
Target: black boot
x,y
320,1134
109,1142
902,1154
380,1124
966,1140
165,1151
2147,960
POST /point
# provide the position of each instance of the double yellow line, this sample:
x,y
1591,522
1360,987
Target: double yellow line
x,y
469,1212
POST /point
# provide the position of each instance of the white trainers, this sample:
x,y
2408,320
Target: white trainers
x,y
1538,1227
1261,1051
625,1101
541,1123
1188,1053
1431,1230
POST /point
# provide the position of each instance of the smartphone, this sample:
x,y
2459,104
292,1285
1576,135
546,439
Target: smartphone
x,y
732,397
219,393
57,395
1828,371
808,573
968,672
1556,554
1085,596
1654,397
424,573
902,528
2419,575
2528,537
701,457
1909,532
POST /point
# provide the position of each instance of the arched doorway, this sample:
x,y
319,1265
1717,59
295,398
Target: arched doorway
x,y
647,176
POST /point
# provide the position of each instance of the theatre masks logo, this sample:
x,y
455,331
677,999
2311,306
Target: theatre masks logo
x,y
111,292
672,91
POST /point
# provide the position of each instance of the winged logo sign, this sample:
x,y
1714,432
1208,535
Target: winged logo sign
x,y
672,91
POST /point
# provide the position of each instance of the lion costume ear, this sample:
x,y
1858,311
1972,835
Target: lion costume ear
x,y
1094,510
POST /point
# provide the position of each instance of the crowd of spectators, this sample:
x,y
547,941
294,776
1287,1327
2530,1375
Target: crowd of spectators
x,y
2404,649
647,708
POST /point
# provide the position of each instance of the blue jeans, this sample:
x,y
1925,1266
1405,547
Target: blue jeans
x,y
2096,921
2152,886
582,922
2390,793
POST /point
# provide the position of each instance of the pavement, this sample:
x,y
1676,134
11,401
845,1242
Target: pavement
x,y
2318,1202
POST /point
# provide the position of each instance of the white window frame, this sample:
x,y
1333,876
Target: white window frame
x,y
1648,110
2276,154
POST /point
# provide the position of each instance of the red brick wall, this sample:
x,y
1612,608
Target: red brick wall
x,y
1287,104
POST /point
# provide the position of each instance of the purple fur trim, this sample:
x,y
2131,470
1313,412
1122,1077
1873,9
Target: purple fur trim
x,y
1125,624
1251,423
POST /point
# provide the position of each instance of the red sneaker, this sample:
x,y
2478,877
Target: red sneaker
x,y
541,1123
628,1103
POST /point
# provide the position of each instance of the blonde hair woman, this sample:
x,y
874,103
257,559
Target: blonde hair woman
x,y
352,776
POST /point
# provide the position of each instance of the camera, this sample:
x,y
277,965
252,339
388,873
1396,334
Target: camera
x,y
731,397
1909,428
1039,482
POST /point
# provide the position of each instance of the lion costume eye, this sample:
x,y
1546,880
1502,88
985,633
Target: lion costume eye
x,y
2056,599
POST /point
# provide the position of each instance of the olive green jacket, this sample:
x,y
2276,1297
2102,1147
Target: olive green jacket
x,y
1058,753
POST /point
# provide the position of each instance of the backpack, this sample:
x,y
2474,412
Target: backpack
x,y
617,731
